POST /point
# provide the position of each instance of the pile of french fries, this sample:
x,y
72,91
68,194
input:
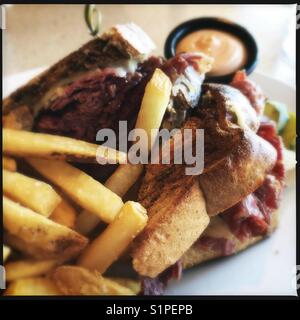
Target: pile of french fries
x,y
50,212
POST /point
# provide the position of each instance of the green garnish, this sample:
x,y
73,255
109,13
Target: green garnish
x,y
286,122
289,132
277,111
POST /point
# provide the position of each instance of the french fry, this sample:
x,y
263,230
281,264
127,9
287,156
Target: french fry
x,y
124,178
47,146
34,194
133,285
73,280
154,104
119,182
152,110
114,240
6,252
38,236
32,287
86,222
82,188
64,214
28,268
9,164
115,288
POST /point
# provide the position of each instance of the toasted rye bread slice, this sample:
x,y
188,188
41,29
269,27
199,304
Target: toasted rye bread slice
x,y
244,158
236,164
240,173
130,39
176,219
219,229
115,48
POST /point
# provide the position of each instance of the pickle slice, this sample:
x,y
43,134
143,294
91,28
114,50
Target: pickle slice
x,y
277,111
289,132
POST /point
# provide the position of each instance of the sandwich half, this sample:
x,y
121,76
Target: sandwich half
x,y
241,185
100,84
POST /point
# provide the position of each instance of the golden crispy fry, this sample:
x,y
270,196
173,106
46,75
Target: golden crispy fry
x,y
40,145
38,236
9,164
86,222
28,268
124,178
64,214
73,280
153,108
32,287
6,252
114,240
154,103
32,193
133,285
83,189
119,182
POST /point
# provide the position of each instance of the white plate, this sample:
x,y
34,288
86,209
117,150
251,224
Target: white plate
x,y
265,268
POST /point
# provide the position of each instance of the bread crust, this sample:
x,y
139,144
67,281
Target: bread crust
x,y
230,124
176,220
219,229
131,39
238,174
